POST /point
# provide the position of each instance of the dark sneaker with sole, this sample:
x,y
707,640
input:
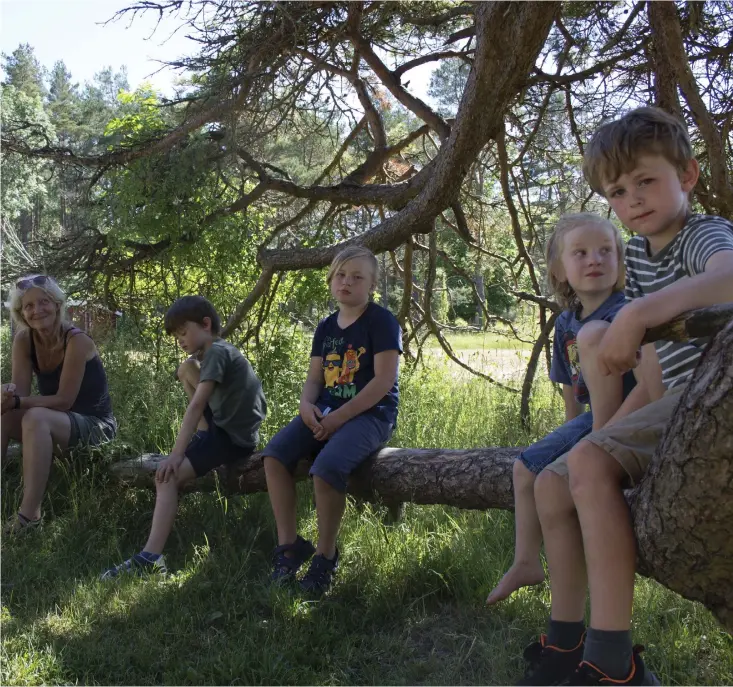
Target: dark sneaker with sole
x,y
588,674
139,565
284,566
320,574
550,665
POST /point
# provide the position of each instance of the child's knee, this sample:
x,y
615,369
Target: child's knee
x,y
523,477
591,334
189,371
552,494
591,469
330,472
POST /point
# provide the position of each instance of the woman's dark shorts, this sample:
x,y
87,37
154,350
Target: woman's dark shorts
x,y
88,430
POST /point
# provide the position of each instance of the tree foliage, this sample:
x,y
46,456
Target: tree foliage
x,y
298,133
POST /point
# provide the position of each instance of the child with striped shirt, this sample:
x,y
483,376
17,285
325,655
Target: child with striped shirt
x,y
643,165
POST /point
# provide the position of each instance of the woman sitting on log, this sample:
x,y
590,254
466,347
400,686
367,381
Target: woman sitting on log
x,y
73,406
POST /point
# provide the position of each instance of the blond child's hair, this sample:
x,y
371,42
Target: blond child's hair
x,y
616,147
351,253
49,287
563,292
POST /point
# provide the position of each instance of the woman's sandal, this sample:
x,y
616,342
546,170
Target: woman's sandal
x,y
21,525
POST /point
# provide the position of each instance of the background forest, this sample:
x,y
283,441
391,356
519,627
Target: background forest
x,y
292,131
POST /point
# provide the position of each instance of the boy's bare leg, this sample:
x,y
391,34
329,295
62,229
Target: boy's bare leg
x,y
606,393
330,505
166,506
189,373
563,547
608,536
281,488
527,568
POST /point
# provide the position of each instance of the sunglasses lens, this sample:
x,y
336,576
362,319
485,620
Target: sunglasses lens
x,y
27,283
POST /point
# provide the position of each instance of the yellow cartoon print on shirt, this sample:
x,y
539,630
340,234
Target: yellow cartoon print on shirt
x,y
351,364
331,369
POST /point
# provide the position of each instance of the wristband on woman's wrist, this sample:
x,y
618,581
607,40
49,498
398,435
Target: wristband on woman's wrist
x,y
16,401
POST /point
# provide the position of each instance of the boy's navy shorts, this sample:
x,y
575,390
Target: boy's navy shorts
x,y
538,456
336,458
211,448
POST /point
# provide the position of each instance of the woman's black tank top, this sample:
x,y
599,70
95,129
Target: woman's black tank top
x,y
93,397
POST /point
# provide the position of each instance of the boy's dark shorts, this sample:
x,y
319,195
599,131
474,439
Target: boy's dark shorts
x,y
336,458
212,448
538,456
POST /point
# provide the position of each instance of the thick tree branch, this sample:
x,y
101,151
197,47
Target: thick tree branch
x,y
393,85
508,41
240,312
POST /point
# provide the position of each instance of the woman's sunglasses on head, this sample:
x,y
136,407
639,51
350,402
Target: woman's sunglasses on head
x,y
33,281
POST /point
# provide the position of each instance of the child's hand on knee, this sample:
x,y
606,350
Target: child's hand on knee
x,y
310,414
169,468
328,427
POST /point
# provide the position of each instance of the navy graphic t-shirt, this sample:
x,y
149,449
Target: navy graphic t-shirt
x,y
348,357
565,368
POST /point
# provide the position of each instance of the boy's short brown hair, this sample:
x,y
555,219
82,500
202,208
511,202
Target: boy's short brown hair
x,y
191,309
616,147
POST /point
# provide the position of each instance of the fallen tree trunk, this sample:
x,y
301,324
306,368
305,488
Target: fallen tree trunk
x,y
478,478
682,510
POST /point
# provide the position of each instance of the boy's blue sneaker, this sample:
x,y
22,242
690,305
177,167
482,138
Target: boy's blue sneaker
x,y
140,564
284,566
588,674
320,574
551,665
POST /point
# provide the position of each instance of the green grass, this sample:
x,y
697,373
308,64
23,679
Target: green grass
x,y
407,606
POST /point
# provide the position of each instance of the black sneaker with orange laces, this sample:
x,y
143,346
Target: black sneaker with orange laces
x,y
551,665
588,674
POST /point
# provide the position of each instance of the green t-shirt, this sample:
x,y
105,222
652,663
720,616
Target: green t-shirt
x,y
238,403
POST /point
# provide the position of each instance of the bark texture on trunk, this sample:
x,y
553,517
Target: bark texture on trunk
x,y
478,478
683,509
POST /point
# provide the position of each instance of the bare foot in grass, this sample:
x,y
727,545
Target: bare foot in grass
x,y
518,576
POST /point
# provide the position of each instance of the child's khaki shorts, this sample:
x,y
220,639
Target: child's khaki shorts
x,y
633,439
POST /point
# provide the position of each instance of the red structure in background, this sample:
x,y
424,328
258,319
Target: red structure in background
x,y
96,320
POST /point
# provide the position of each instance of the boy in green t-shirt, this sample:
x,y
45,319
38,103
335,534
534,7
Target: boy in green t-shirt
x,y
220,426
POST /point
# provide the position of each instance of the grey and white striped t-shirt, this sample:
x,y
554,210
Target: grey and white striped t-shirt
x,y
700,238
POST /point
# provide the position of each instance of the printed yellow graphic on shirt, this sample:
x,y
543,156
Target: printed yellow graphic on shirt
x,y
331,369
573,357
351,364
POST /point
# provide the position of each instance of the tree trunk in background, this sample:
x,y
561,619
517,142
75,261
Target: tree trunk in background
x,y
478,279
385,281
